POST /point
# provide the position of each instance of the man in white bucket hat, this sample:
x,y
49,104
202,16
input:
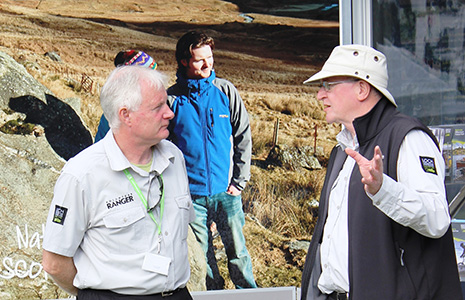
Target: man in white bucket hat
x,y
383,230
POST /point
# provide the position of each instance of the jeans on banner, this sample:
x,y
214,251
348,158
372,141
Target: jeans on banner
x,y
226,211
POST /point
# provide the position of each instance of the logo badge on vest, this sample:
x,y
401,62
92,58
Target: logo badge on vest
x,y
59,215
428,165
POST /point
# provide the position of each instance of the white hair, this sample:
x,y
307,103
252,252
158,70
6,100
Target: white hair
x,y
123,89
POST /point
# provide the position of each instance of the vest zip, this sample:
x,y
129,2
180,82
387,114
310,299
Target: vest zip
x,y
402,257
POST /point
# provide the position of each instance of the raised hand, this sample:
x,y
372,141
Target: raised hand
x,y
371,170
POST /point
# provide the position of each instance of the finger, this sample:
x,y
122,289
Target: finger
x,y
356,156
378,152
378,159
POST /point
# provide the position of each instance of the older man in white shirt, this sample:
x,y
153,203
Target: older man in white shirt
x,y
384,227
118,222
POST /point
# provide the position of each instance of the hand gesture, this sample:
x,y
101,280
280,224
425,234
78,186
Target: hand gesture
x,y
371,170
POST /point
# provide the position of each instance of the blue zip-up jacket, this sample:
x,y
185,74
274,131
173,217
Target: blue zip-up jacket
x,y
209,115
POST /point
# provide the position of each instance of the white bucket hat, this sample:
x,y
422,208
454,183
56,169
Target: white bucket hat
x,y
357,61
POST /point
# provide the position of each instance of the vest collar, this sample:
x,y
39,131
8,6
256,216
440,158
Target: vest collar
x,y
369,125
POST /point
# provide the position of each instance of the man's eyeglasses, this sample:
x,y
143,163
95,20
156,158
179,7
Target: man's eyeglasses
x,y
327,85
161,193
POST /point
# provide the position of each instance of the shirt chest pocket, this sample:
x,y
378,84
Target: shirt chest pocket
x,y
186,212
125,231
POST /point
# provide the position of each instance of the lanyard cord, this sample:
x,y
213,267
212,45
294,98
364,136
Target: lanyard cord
x,y
144,201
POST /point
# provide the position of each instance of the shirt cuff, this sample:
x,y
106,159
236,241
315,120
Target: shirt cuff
x,y
383,199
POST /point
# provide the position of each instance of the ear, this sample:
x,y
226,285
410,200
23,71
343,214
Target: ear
x,y
363,90
184,62
124,116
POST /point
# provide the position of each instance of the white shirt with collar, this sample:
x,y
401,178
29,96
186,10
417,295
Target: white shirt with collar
x,y
417,200
105,227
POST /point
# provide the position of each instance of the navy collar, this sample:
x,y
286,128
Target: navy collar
x,y
369,125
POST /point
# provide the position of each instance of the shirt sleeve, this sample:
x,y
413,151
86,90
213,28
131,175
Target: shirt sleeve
x,y
186,178
66,221
418,199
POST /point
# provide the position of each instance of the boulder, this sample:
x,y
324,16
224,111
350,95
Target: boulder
x,y
293,158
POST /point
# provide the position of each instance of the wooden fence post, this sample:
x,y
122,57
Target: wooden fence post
x,y
275,132
314,142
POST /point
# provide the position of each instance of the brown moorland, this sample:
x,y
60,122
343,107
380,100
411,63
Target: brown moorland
x,y
267,59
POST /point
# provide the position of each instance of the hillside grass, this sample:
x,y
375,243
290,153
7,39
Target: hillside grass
x,y
280,204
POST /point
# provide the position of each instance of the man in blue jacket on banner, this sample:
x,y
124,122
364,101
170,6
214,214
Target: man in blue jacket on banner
x,y
211,127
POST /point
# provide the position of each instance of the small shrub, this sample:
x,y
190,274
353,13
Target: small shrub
x,y
17,127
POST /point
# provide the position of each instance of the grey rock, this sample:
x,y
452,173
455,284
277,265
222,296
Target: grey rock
x,y
15,81
299,245
197,263
293,158
53,56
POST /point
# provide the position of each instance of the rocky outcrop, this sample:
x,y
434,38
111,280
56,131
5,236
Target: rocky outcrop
x,y
29,167
293,158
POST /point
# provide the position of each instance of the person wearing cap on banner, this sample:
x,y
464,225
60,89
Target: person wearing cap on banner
x,y
125,58
383,230
118,222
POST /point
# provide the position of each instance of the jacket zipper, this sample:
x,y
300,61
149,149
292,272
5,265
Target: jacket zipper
x,y
207,164
211,117
402,257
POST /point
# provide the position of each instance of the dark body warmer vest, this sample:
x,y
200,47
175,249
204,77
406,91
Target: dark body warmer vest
x,y
387,261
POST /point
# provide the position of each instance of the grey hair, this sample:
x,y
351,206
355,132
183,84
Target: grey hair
x,y
123,89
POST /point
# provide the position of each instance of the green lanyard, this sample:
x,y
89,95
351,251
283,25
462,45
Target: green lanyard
x,y
144,201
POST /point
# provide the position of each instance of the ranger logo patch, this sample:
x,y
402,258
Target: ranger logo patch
x,y
59,215
428,165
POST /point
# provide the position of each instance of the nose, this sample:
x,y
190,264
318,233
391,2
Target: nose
x,y
169,114
208,62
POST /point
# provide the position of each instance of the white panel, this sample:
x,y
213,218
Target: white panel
x,y
362,22
345,22
278,293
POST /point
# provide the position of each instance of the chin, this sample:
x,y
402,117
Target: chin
x,y
165,136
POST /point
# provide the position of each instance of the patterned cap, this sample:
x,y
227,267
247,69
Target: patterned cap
x,y
134,57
